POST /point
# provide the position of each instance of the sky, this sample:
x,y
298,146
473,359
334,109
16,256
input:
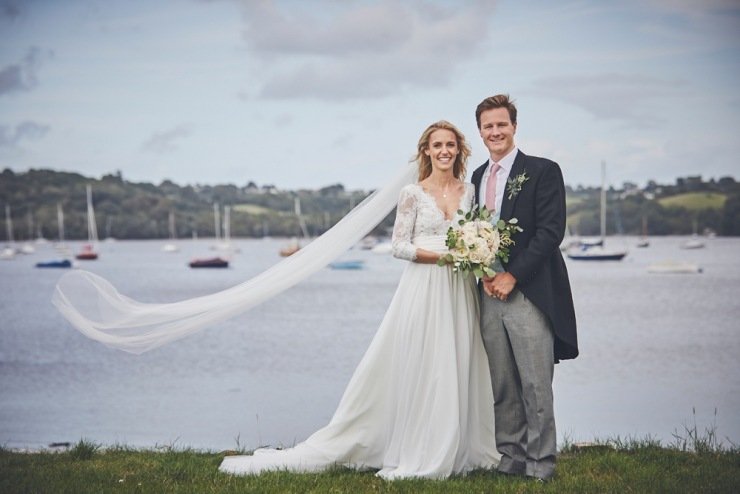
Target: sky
x,y
305,94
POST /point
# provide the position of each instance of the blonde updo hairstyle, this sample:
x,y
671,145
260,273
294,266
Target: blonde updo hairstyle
x,y
425,162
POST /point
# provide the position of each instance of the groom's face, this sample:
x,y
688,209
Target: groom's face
x,y
497,132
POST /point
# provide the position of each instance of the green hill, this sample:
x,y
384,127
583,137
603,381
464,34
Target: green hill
x,y
695,201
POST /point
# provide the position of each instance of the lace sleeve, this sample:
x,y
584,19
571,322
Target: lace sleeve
x,y
470,199
403,228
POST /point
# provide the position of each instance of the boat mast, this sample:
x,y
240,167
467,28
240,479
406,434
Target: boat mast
x,y
92,228
227,224
171,225
8,224
217,221
603,201
301,221
60,222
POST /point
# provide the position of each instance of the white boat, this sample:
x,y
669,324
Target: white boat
x,y
382,248
9,250
171,246
596,250
367,243
27,248
7,253
674,267
569,240
695,242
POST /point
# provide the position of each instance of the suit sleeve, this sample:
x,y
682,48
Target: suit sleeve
x,y
549,225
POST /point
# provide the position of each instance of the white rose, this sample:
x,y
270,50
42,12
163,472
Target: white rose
x,y
470,228
494,242
480,253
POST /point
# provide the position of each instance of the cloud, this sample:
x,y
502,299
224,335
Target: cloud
x,y
28,130
10,10
21,76
360,49
626,98
164,142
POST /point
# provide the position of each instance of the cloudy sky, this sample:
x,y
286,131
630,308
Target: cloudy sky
x,y
310,93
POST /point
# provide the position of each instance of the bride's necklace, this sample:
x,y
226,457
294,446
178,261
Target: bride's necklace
x,y
444,189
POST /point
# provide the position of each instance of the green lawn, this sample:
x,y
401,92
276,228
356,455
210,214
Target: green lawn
x,y
695,201
252,209
641,467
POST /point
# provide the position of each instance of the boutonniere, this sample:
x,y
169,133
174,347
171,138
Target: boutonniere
x,y
514,185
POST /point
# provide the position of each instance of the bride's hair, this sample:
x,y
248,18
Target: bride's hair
x,y
425,162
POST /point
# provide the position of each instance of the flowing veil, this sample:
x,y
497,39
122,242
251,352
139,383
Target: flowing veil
x,y
94,306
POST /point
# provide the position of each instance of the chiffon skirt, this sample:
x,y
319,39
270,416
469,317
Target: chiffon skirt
x,y
420,402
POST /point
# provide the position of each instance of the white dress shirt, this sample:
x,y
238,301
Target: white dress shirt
x,y
503,174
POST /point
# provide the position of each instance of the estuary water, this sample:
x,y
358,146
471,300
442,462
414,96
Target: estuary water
x,y
659,352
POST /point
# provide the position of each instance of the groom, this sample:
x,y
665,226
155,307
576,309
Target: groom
x,y
527,318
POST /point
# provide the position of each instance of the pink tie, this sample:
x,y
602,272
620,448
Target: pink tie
x,y
491,187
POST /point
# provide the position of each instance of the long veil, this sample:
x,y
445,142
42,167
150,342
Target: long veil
x,y
93,305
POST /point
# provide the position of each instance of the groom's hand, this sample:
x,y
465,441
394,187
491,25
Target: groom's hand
x,y
501,285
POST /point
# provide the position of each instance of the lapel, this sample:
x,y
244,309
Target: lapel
x,y
507,205
477,178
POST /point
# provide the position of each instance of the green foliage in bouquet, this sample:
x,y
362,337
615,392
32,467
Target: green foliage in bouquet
x,y
475,243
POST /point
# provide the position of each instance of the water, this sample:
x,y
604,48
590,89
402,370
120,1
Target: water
x,y
653,349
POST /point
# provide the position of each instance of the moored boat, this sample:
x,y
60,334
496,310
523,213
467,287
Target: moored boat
x,y
87,253
211,262
674,267
594,249
59,263
349,264
89,250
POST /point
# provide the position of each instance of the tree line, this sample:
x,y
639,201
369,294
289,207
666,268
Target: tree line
x,y
130,210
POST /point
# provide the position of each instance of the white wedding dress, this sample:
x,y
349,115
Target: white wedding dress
x,y
420,402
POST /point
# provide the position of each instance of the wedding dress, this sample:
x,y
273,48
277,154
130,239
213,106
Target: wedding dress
x,y
420,402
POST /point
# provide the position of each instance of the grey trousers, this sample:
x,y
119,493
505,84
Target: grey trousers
x,y
519,343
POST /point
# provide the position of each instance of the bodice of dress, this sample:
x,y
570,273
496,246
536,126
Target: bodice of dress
x,y
420,223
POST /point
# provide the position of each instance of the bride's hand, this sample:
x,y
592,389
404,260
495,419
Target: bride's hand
x,y
488,285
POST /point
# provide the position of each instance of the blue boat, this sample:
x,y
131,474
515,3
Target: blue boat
x,y
347,264
61,263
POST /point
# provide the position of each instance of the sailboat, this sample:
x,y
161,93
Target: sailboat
x,y
89,250
9,250
569,240
226,244
61,248
212,262
295,245
695,242
598,252
643,240
171,246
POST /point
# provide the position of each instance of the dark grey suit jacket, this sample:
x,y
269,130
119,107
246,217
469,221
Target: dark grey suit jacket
x,y
535,259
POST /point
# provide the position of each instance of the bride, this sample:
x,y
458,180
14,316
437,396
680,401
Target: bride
x,y
420,402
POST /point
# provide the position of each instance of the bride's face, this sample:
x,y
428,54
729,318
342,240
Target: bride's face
x,y
442,149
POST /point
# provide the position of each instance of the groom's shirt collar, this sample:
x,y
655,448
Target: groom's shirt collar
x,y
506,163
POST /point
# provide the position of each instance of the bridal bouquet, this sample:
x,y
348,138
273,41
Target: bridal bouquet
x,y
476,242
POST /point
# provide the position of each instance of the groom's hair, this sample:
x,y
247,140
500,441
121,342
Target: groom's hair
x,y
498,101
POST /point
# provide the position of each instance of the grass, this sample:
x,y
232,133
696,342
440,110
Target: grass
x,y
695,201
695,462
252,209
